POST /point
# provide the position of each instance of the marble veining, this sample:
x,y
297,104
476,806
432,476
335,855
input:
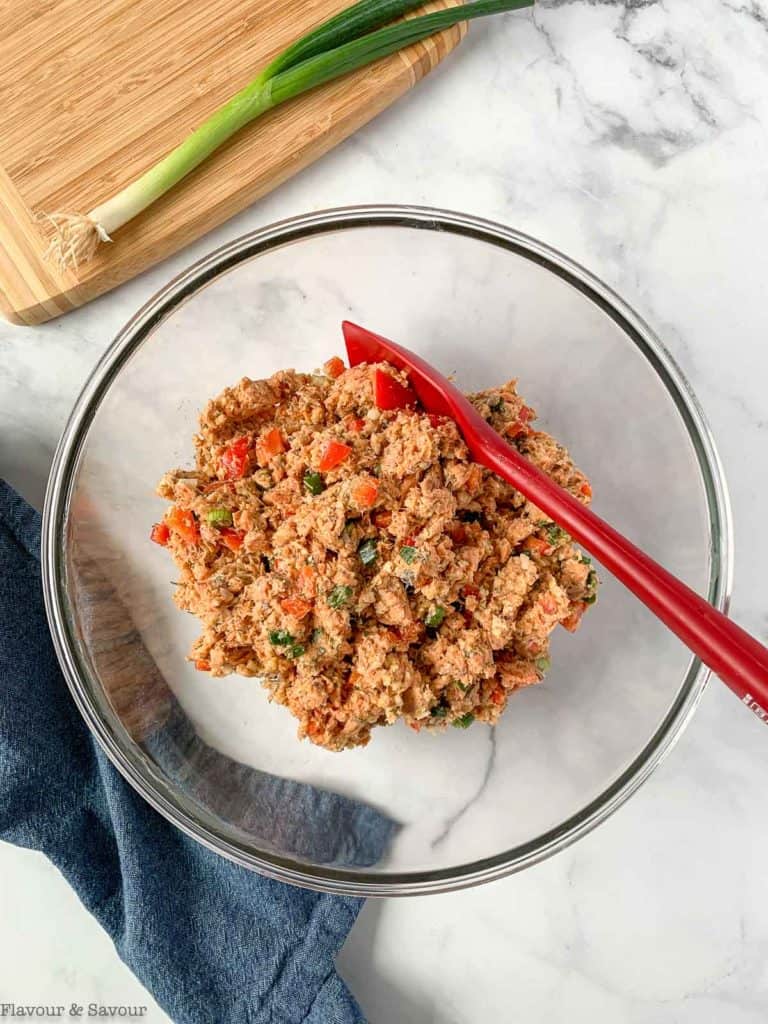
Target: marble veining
x,y
633,136
459,813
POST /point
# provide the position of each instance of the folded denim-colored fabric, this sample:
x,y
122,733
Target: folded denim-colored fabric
x,y
213,942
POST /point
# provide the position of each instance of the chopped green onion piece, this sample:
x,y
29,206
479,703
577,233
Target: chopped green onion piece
x,y
313,482
556,534
295,650
219,517
496,404
439,711
463,686
280,638
408,554
543,664
591,587
317,635
339,596
368,551
464,722
435,617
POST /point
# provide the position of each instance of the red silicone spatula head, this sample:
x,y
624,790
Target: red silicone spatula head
x,y
435,392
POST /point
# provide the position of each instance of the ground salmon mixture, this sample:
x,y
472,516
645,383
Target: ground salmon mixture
x,y
340,544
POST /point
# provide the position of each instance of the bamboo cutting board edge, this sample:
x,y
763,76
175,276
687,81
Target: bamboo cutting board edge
x,y
33,290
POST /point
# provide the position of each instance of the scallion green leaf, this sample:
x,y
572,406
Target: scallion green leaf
x,y
219,517
313,482
464,722
280,638
408,554
368,551
339,596
435,616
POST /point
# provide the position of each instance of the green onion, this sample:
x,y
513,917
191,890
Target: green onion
x,y
464,722
543,665
339,596
295,650
435,617
335,48
496,404
591,587
408,554
313,482
439,711
316,635
219,517
463,686
280,638
368,551
556,534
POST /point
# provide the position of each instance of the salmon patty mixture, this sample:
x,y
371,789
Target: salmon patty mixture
x,y
340,544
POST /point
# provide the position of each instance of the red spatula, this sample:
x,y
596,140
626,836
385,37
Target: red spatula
x,y
736,657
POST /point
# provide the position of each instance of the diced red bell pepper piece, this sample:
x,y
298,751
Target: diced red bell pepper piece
x,y
571,623
389,393
474,479
160,534
498,696
526,414
183,522
296,607
269,445
586,489
202,665
365,492
232,539
333,455
538,545
334,367
354,424
436,419
517,429
307,582
548,605
234,459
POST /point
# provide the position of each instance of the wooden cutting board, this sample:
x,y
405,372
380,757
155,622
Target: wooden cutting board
x,y
93,92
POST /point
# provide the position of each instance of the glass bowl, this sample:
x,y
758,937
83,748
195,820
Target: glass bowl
x,y
408,814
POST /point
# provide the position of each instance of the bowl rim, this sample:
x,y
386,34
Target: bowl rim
x,y
111,736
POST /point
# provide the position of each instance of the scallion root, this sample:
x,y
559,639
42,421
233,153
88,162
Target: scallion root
x,y
75,241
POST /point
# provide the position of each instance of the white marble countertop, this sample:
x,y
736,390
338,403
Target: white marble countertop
x,y
634,137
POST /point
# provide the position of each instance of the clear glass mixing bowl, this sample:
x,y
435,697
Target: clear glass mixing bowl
x,y
409,813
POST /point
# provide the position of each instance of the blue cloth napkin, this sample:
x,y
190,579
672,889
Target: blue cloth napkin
x,y
211,941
